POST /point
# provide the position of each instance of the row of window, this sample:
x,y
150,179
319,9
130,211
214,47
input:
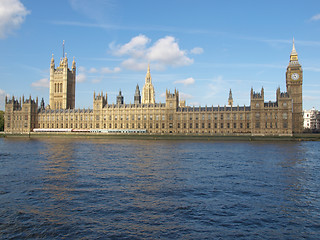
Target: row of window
x,y
144,125
58,87
156,117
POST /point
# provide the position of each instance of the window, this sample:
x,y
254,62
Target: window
x,y
190,125
221,125
241,125
163,117
234,125
228,125
178,125
163,125
285,125
221,116
209,125
202,125
285,116
170,117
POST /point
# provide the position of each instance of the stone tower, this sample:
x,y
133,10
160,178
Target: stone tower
x,y
137,97
120,98
294,88
62,84
230,99
148,89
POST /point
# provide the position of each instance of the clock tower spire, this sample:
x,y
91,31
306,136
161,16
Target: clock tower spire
x,y
294,88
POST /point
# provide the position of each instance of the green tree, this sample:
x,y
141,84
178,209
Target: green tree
x,y
1,121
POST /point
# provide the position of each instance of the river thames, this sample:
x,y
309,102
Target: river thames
x,y
63,188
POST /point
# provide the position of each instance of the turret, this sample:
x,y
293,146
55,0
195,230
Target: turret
x,y
137,97
120,98
230,99
148,95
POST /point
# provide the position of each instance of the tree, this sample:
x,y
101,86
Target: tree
x,y
1,121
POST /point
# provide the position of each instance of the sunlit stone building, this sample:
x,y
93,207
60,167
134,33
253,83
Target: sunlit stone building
x,y
281,117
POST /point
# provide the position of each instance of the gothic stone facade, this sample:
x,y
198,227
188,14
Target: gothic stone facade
x,y
282,117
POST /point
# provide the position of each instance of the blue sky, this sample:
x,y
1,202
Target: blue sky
x,y
202,48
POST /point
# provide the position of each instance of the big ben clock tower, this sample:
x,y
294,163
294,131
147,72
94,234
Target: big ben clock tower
x,y
294,88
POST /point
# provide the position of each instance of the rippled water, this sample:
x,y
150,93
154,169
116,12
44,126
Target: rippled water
x,y
136,189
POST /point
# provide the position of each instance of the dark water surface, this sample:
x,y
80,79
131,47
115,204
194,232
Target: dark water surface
x,y
136,189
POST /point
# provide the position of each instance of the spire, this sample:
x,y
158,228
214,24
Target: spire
x,y
230,99
294,54
52,61
230,94
137,96
148,76
73,64
148,89
63,49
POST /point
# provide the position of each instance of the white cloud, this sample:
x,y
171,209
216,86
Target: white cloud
x,y
42,83
196,50
315,17
12,15
108,70
96,80
98,10
136,47
135,64
185,96
93,70
166,51
163,53
216,85
81,77
81,69
186,82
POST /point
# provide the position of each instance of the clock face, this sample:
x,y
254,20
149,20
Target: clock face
x,y
295,76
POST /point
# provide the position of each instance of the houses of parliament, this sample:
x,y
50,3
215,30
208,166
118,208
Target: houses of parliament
x,y
283,117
